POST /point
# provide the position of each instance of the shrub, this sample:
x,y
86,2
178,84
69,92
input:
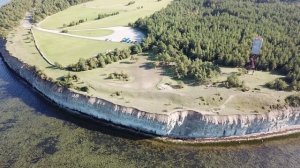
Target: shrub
x,y
293,100
130,3
58,65
84,89
233,82
119,76
136,49
296,85
277,84
64,31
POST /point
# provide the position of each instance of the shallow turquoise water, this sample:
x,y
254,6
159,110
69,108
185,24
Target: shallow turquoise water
x,y
34,133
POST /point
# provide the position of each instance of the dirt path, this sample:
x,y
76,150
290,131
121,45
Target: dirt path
x,y
27,21
223,106
118,34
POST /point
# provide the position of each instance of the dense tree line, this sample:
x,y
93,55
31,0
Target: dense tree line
x,y
12,13
101,16
100,60
221,32
74,23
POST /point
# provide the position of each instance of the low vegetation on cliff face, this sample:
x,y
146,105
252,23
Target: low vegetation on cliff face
x,y
221,32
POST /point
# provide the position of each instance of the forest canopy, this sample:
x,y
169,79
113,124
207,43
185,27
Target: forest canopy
x,y
221,32
12,13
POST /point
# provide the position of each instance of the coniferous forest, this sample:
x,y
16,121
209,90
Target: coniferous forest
x,y
199,34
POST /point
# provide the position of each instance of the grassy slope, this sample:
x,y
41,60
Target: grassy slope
x,y
92,9
67,50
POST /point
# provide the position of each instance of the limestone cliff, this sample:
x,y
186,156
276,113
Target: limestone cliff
x,y
179,124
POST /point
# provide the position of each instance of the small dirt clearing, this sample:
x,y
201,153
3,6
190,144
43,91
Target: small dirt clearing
x,y
121,32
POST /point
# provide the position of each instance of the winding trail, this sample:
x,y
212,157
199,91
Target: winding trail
x,y
118,34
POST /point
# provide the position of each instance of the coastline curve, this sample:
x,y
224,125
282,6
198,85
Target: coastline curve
x,y
180,125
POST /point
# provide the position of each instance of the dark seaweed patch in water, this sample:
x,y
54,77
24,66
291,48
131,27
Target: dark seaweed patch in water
x,y
9,121
9,163
7,124
48,145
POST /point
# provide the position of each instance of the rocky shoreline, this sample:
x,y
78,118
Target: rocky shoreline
x,y
185,125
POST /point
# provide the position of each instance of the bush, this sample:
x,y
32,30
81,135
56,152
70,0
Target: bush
x,y
130,3
277,84
67,80
233,82
58,65
136,49
293,100
296,85
119,76
84,89
64,31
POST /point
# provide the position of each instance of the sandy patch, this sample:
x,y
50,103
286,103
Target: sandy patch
x,y
123,32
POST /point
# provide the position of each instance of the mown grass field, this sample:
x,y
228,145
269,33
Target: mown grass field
x,y
91,10
68,50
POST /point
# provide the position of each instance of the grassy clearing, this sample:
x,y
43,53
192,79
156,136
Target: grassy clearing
x,y
90,11
143,90
68,50
92,33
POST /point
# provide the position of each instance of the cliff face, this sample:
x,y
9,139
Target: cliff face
x,y
180,124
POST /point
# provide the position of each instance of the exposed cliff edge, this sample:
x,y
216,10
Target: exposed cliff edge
x,y
179,124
